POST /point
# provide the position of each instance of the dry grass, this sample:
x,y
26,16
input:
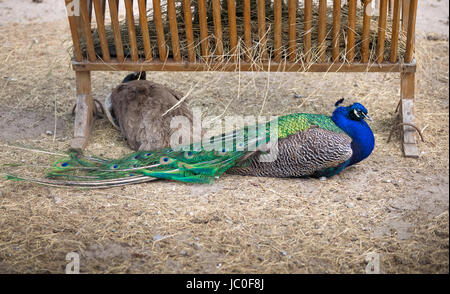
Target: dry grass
x,y
388,204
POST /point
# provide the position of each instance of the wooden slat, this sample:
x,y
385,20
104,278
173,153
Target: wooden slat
x,y
277,10
381,31
103,4
174,30
87,30
336,30
203,29
262,33
307,32
232,27
247,30
144,29
113,9
321,33
395,31
170,65
410,36
217,27
292,15
188,28
131,29
351,30
101,30
405,14
89,6
73,30
157,19
366,32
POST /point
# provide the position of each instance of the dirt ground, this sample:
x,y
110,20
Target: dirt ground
x,y
393,206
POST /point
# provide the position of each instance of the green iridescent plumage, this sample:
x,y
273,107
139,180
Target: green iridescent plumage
x,y
298,122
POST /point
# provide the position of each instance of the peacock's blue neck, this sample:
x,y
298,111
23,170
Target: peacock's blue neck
x,y
363,141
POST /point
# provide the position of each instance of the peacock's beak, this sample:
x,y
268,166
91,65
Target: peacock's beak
x,y
367,116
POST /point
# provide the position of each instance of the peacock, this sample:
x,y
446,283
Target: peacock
x,y
307,145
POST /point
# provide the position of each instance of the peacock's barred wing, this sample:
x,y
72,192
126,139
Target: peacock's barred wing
x,y
194,163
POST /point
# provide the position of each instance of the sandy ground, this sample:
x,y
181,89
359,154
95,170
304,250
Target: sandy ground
x,y
388,205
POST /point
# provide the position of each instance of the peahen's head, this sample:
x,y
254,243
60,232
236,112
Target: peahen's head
x,y
134,76
356,111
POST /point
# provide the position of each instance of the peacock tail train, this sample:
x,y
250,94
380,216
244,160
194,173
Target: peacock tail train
x,y
193,164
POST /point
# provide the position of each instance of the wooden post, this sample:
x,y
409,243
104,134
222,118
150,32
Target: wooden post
x,y
407,87
407,114
84,115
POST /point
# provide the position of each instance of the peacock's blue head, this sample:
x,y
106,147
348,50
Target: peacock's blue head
x,y
356,111
351,119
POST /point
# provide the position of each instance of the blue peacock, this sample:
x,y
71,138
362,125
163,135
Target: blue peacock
x,y
308,145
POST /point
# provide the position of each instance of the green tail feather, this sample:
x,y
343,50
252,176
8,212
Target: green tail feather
x,y
13,178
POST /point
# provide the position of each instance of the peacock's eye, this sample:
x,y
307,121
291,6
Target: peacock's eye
x,y
64,164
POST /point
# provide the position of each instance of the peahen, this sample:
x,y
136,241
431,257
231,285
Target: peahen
x,y
139,109
309,145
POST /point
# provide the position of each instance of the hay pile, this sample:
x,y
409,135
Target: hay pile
x,y
256,55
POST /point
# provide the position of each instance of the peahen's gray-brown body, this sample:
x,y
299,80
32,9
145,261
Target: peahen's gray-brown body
x,y
139,107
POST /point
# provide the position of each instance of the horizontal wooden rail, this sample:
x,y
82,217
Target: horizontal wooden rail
x,y
171,65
